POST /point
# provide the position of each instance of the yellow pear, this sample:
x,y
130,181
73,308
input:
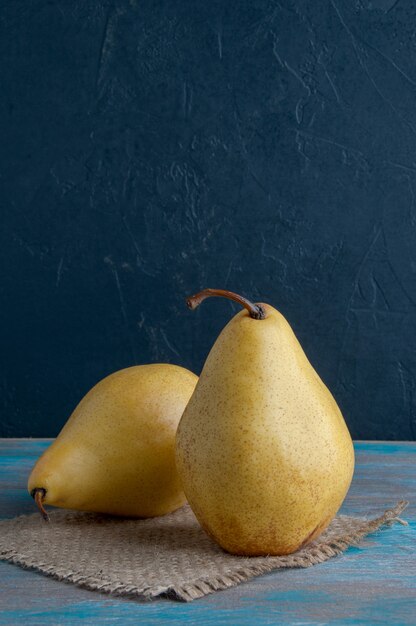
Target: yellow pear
x,y
262,449
116,453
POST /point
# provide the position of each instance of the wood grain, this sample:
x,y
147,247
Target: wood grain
x,y
373,584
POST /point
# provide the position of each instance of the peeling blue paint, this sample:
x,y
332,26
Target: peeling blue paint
x,y
372,584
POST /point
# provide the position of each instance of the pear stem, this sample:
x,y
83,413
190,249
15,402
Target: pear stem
x,y
38,495
255,310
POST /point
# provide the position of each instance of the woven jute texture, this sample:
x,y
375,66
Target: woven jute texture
x,y
169,555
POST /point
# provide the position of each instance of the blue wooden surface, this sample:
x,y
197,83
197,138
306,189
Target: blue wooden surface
x,y
372,584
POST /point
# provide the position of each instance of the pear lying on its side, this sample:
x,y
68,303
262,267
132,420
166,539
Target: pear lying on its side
x,y
116,453
262,449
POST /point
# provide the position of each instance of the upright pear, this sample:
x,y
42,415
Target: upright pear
x,y
116,453
263,452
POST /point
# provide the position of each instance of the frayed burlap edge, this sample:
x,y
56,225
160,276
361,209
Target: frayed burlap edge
x,y
306,557
302,559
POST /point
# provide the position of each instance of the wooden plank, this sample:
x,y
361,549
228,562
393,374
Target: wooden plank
x,y
373,584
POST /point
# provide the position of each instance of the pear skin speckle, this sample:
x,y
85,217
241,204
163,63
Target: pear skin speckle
x,y
262,449
116,453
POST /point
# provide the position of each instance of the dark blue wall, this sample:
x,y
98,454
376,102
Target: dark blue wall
x,y
150,149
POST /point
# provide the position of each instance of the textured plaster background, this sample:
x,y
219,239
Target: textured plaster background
x,y
150,149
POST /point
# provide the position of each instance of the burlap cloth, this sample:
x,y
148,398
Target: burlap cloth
x,y
169,555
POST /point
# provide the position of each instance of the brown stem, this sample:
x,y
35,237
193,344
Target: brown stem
x,y
38,495
255,310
